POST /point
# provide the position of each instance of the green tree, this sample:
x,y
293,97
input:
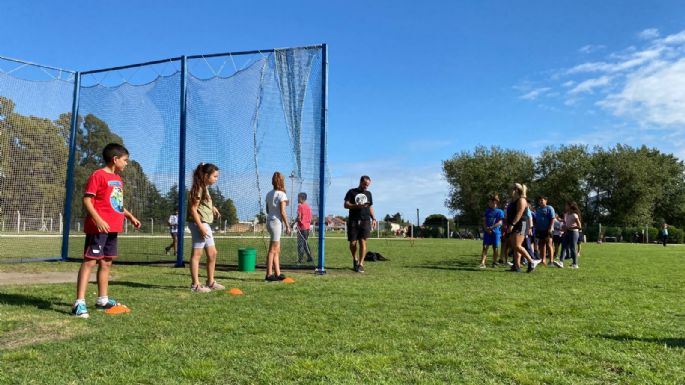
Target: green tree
x,y
33,154
625,192
473,176
562,175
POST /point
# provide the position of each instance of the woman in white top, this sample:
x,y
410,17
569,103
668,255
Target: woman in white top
x,y
571,227
276,222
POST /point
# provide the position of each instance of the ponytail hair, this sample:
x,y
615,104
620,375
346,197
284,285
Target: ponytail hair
x,y
199,184
278,181
521,190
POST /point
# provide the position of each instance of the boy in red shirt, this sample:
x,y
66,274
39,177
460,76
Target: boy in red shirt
x,y
104,201
304,220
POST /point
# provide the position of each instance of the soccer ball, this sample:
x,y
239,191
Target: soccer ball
x,y
360,199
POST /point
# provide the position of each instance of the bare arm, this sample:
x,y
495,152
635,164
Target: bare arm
x,y
281,206
133,219
102,226
519,212
194,205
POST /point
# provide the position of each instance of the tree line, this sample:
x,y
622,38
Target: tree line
x,y
620,186
34,152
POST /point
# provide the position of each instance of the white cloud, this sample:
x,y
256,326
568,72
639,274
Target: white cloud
x,y
590,48
648,34
654,95
642,84
534,94
589,85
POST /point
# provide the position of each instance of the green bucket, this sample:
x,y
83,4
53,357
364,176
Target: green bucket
x,y
247,259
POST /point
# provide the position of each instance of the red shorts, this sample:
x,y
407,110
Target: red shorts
x,y
100,245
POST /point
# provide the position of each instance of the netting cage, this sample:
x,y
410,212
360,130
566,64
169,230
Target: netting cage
x,y
250,113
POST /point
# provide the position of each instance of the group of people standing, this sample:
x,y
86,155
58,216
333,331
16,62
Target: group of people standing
x,y
531,234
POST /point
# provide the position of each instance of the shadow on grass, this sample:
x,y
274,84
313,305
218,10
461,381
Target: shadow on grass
x,y
450,264
142,285
27,300
670,342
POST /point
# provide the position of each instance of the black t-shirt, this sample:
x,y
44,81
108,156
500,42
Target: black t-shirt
x,y
363,213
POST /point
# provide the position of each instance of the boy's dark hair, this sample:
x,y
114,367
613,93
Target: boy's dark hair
x,y
302,195
363,178
493,197
111,150
541,196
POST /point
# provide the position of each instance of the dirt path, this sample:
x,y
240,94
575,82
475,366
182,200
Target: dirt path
x,y
19,278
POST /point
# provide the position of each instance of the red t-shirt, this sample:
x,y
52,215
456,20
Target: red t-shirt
x,y
304,212
107,191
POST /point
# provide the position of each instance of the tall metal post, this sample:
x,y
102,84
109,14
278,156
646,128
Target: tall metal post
x,y
322,160
182,167
70,167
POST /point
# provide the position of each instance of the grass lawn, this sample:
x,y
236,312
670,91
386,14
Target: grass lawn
x,y
428,316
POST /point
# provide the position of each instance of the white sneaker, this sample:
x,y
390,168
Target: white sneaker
x,y
510,264
482,266
559,264
200,289
574,266
216,286
535,262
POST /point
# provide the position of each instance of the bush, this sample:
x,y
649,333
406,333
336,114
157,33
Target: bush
x,y
675,235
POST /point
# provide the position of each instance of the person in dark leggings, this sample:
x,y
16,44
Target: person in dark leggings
x,y
664,234
572,227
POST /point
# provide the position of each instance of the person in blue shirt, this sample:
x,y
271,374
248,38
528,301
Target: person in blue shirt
x,y
492,233
544,229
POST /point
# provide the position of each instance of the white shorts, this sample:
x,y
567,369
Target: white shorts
x,y
198,241
275,228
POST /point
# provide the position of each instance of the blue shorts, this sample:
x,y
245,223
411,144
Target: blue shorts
x,y
100,245
492,239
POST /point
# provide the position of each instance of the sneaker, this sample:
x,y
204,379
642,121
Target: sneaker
x,y
280,277
530,268
216,286
535,263
271,278
200,289
482,266
110,304
515,270
574,266
360,269
510,264
80,310
354,264
559,264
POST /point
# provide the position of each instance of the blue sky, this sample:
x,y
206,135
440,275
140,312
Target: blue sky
x,y
412,83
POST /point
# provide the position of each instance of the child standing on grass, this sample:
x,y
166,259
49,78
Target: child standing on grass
x,y
517,225
572,226
276,224
304,222
492,230
103,199
201,213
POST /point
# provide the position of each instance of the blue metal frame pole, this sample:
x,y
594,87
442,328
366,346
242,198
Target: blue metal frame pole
x,y
182,166
70,167
322,161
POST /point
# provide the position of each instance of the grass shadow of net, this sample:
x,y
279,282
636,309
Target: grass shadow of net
x,y
143,285
449,264
667,341
27,300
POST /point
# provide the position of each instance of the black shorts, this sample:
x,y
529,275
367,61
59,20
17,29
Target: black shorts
x,y
541,235
358,230
557,239
100,245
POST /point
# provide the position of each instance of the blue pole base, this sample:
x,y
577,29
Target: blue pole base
x,y
320,271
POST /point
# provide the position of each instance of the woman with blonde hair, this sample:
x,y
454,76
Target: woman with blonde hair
x,y
276,223
517,221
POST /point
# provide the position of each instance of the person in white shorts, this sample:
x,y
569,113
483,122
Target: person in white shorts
x,y
276,223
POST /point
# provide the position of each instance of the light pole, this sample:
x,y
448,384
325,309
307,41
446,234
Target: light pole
x,y
292,192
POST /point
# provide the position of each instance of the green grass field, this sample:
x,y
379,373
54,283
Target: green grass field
x,y
428,316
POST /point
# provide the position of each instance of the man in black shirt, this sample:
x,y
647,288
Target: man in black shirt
x,y
361,220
